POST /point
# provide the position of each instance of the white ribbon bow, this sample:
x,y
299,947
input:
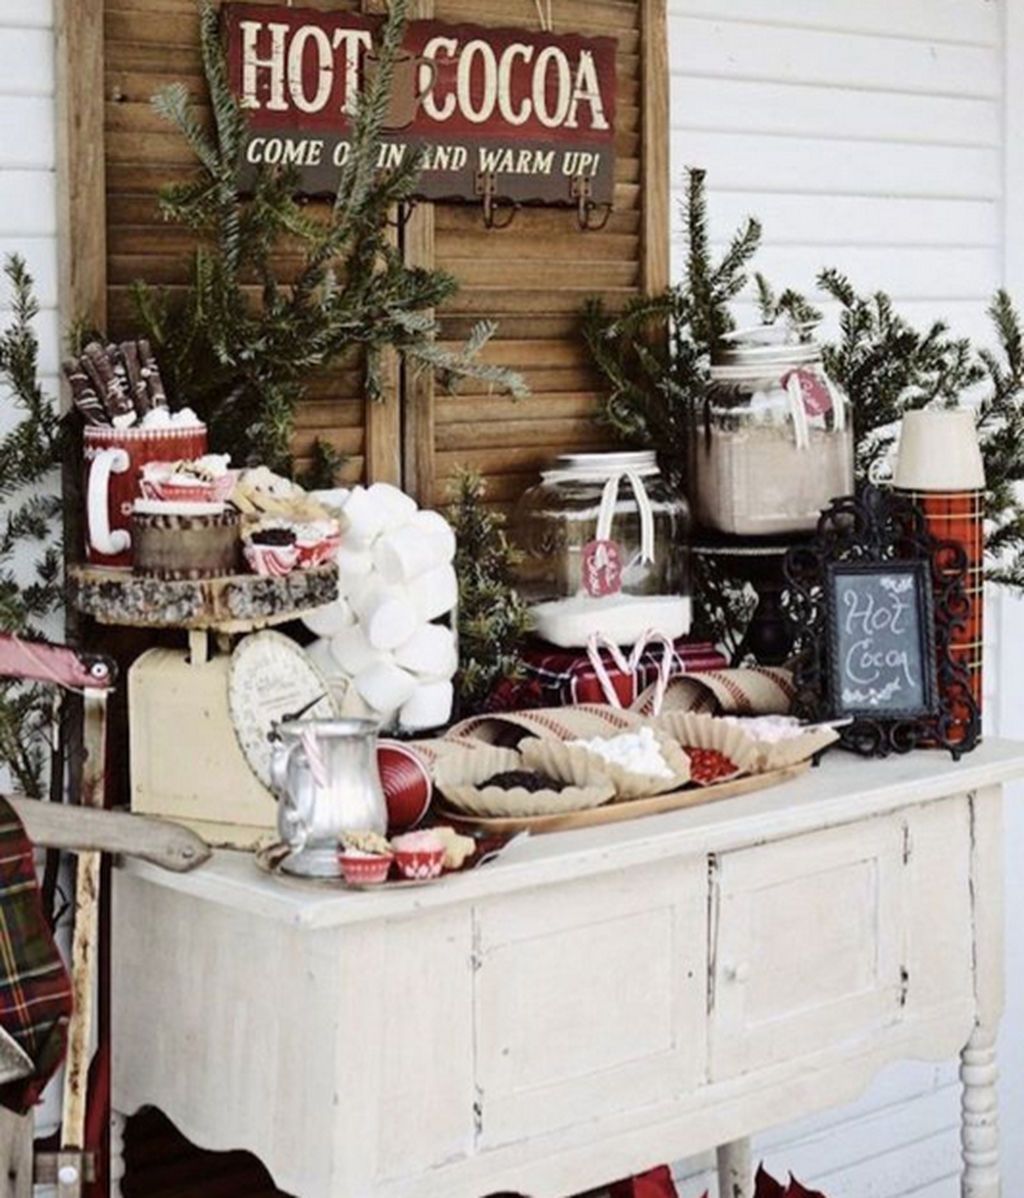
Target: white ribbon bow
x,y
606,513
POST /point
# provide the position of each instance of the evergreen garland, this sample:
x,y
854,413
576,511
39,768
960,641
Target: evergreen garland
x,y
655,357
492,618
239,345
31,561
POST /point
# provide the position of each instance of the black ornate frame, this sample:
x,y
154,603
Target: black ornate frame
x,y
876,526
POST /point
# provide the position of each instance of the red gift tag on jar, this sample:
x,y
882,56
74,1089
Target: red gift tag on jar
x,y
816,396
602,569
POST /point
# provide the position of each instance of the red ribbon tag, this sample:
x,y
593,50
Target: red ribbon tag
x,y
816,396
602,569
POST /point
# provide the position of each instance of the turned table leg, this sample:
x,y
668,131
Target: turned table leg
x,y
979,1073
117,1123
735,1173
979,1130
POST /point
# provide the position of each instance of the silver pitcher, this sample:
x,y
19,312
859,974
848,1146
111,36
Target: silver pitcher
x,y
318,801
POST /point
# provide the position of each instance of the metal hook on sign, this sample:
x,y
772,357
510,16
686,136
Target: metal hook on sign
x,y
582,191
402,213
486,187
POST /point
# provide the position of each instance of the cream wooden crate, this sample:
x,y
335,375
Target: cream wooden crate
x,y
186,763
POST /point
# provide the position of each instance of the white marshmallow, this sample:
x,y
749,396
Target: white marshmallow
x,y
366,594
384,686
364,516
355,707
319,653
397,507
429,652
436,592
407,552
354,566
335,498
352,651
330,619
429,706
434,524
157,418
390,621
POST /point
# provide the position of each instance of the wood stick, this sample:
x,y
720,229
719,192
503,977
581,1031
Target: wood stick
x,y
81,830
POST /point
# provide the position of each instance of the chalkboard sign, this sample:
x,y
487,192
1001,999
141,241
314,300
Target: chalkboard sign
x,y
881,650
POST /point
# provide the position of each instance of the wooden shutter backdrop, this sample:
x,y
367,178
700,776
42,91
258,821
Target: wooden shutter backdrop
x,y
532,277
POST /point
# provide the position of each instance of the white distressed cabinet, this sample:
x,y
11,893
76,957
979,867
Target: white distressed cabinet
x,y
596,1003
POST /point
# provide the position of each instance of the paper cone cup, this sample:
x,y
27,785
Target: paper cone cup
x,y
692,731
563,761
458,776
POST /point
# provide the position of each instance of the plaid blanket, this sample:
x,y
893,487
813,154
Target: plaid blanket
x,y
554,677
35,990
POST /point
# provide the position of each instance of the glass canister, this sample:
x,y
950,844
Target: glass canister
x,y
774,442
604,550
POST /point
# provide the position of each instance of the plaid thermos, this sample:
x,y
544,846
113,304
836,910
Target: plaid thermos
x,y
940,467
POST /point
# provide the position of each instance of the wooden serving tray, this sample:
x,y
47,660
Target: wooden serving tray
x,y
234,603
615,813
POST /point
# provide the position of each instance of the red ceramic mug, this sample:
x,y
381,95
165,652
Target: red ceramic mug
x,y
114,458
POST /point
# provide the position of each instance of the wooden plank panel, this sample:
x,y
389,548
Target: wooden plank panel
x,y
533,277
149,44
655,263
384,415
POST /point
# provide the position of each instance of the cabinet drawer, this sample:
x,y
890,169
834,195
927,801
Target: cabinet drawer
x,y
808,944
589,998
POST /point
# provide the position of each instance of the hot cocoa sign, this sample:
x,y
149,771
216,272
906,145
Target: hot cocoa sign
x,y
532,112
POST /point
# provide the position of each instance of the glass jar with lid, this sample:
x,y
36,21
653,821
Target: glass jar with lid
x,y
603,539
773,444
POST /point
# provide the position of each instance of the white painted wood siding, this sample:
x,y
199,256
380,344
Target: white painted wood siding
x,y
867,135
28,204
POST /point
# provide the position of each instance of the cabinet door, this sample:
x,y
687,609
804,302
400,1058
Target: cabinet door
x,y
808,944
589,998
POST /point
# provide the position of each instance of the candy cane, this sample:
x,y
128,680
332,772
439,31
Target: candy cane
x,y
315,758
594,643
652,637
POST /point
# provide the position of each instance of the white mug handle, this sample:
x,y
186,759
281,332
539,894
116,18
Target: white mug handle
x,y
104,539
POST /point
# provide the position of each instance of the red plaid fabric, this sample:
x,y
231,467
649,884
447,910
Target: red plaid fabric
x,y
958,516
565,677
35,990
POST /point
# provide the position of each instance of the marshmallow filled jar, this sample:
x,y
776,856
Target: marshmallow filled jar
x,y
603,542
773,443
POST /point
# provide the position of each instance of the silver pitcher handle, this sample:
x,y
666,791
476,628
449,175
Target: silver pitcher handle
x,y
293,823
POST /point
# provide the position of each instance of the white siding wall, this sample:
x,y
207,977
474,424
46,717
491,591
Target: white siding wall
x,y
869,135
28,206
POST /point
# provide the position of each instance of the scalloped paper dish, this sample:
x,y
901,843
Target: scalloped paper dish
x,y
458,777
564,761
692,731
779,755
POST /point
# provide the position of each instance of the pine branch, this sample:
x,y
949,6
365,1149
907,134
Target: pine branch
x,y
31,561
493,620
